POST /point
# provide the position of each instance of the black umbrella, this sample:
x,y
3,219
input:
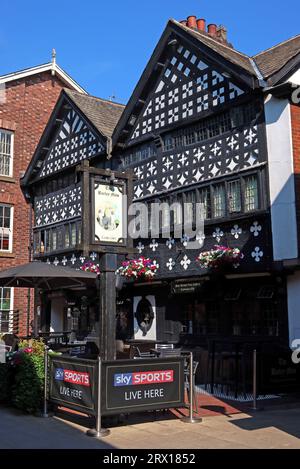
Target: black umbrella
x,y
45,276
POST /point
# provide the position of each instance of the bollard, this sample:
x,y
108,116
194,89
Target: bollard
x,y
191,418
45,404
98,432
254,402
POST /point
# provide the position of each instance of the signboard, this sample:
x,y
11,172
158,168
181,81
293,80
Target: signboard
x,y
109,220
73,383
141,385
186,286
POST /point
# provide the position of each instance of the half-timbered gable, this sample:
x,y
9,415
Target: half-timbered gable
x,y
79,129
75,141
199,136
190,86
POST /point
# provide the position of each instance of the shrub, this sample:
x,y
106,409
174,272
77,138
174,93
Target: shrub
x,y
29,381
6,381
35,346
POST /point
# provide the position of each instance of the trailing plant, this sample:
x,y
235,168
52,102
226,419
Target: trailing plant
x,y
89,266
140,268
220,256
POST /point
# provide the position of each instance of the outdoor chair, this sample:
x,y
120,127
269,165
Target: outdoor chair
x,y
136,353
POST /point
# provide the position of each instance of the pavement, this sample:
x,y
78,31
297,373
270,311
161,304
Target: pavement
x,y
273,429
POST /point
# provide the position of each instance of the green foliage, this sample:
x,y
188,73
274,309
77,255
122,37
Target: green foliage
x,y
6,379
29,382
37,346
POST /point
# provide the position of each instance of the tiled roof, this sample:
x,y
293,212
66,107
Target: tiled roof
x,y
268,62
102,113
234,56
272,60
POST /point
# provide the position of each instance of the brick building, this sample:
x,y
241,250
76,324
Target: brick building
x,y
27,98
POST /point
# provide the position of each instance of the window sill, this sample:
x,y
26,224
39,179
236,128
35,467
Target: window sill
x,y
8,179
7,254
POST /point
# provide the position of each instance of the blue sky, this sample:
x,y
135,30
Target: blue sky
x,y
105,45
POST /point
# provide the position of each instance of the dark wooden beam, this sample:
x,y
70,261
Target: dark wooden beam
x,y
85,233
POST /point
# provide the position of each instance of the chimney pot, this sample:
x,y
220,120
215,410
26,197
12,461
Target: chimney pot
x,y
212,29
192,22
201,24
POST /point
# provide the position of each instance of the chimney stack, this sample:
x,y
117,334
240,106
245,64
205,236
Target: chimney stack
x,y
192,22
219,33
212,29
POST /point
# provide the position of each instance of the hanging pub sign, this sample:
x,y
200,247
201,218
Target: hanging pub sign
x,y
142,385
109,212
73,383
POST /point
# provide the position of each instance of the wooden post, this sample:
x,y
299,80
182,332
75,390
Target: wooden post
x,y
107,316
85,227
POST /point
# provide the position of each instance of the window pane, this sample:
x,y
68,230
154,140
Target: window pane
x,y
5,228
189,209
5,298
251,193
5,153
234,196
219,201
54,240
79,233
73,234
204,199
67,236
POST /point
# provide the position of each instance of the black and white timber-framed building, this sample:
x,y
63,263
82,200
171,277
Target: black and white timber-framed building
x,y
200,126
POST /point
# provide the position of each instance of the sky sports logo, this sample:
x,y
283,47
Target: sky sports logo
x,y
74,377
143,377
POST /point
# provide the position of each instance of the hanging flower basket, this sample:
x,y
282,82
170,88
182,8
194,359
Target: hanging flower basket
x,y
220,257
89,266
142,268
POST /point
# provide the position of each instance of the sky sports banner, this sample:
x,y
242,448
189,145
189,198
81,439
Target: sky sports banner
x,y
139,385
73,383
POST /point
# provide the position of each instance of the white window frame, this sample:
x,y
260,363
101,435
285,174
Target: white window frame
x,y
11,229
9,132
11,312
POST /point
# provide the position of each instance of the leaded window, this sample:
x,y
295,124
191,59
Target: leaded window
x,y
6,223
234,196
251,193
219,201
6,153
204,200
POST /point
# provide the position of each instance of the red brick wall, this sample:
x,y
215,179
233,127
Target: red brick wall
x,y
26,110
295,117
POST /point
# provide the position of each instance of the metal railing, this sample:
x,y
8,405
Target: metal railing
x,y
9,321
